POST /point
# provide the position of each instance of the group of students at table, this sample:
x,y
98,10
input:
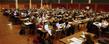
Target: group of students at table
x,y
56,20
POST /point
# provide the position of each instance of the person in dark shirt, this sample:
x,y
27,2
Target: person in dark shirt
x,y
88,40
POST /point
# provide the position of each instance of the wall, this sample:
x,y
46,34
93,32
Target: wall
x,y
96,7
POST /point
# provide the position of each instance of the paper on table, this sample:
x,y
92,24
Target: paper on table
x,y
76,41
98,24
27,23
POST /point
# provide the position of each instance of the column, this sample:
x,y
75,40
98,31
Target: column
x,y
71,1
30,4
59,1
89,1
16,3
41,4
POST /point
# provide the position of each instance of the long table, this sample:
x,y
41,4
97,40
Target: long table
x,y
76,35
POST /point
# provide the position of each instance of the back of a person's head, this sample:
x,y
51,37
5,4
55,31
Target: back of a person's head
x,y
88,39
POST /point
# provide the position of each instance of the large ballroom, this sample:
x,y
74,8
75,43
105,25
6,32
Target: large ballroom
x,y
54,21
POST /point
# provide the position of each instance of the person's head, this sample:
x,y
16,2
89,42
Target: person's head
x,y
88,36
87,7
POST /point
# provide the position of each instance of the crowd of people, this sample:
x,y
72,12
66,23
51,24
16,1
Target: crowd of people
x,y
58,23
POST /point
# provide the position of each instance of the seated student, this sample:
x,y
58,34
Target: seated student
x,y
105,26
88,40
40,30
14,17
69,29
22,31
46,27
6,12
92,28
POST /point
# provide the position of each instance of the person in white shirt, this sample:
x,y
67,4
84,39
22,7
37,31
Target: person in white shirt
x,y
58,25
46,27
104,23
